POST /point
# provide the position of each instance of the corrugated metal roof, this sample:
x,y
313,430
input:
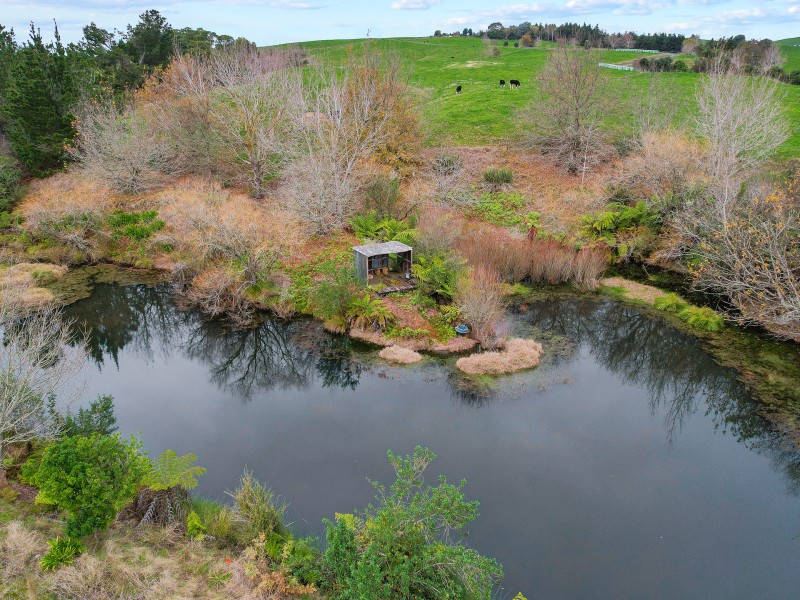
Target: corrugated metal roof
x,y
384,248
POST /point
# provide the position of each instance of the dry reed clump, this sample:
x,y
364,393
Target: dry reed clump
x,y
218,291
400,355
19,548
542,260
518,354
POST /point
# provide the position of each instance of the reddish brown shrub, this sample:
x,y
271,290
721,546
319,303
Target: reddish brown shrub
x,y
481,303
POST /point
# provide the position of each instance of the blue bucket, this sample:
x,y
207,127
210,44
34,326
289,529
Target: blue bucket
x,y
461,329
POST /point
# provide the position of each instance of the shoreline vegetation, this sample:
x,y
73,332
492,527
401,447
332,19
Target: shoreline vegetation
x,y
243,177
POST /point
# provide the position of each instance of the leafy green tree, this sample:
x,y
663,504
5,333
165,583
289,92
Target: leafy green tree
x,y
91,478
404,547
8,47
40,92
150,41
97,418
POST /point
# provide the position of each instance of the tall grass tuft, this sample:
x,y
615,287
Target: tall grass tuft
x,y
497,178
702,318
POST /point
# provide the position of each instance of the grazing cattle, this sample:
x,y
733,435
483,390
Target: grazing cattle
x,y
458,90
502,83
514,83
452,57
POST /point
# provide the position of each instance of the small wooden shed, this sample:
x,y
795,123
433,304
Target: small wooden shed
x,y
372,260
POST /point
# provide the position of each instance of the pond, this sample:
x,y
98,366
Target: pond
x,y
628,465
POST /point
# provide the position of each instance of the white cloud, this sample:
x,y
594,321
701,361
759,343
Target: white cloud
x,y
414,4
739,19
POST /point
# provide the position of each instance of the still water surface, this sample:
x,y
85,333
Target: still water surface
x,y
628,465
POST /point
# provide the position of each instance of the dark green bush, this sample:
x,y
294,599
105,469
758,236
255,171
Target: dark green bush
x,y
381,195
437,275
403,546
627,230
91,478
10,183
332,296
97,418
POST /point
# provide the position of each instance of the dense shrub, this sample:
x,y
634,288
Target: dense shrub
x,y
629,231
381,194
91,478
437,275
97,418
365,312
334,294
403,546
10,183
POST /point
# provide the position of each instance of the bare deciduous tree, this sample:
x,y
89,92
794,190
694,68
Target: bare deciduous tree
x,y
751,253
255,102
39,360
347,118
565,123
120,146
743,121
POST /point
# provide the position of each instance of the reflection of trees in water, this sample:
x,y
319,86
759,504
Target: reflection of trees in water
x,y
272,355
672,367
247,361
134,316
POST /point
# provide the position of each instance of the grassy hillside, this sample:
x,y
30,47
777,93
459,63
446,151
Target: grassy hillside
x,y
484,113
791,50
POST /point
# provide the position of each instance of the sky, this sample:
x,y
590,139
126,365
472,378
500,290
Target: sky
x,y
278,21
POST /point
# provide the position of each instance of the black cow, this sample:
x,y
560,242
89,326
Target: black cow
x,y
514,83
458,90
452,57
502,83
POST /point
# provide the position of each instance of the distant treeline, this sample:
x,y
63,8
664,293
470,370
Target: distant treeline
x,y
41,82
580,34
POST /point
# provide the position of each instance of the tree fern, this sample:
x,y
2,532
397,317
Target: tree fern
x,y
171,470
